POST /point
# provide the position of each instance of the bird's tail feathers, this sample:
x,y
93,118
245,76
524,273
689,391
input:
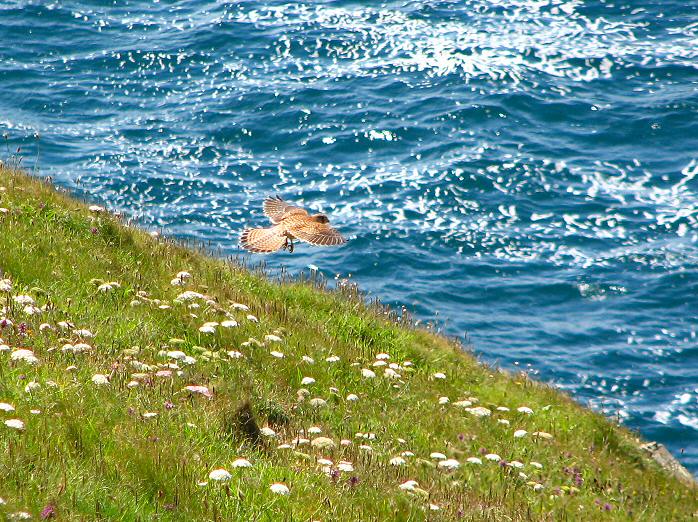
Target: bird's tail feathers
x,y
262,240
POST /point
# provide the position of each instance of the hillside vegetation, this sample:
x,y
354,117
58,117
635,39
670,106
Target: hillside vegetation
x,y
141,380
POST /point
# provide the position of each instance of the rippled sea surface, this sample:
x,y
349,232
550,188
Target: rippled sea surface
x,y
520,170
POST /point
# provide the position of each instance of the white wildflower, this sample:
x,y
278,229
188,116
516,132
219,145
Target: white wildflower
x,y
149,415
345,466
5,285
391,374
352,397
24,355
502,408
97,209
382,356
15,424
397,461
307,380
32,386
31,310
318,402
538,487
308,360
332,359
516,464
252,318
233,354
189,295
408,485
6,407
368,374
100,380
536,464
207,329
542,435
267,432
524,409
443,400
493,456
229,323
520,433
220,474
449,464
439,375
240,306
280,489
503,421
314,430
322,443
473,460
241,463
23,300
437,456
479,411
278,355
273,338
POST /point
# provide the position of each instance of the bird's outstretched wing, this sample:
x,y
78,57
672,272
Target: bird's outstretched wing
x,y
276,209
319,234
262,240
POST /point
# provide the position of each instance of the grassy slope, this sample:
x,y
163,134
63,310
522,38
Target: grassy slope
x,y
91,454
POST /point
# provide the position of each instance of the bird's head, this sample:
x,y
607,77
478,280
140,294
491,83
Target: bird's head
x,y
320,218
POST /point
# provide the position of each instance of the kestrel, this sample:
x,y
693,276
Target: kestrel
x,y
288,223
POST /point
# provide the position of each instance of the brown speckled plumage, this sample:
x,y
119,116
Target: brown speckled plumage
x,y
288,223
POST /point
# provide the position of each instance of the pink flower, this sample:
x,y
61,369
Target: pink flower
x,y
203,390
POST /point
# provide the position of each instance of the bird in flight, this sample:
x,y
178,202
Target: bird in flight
x,y
289,222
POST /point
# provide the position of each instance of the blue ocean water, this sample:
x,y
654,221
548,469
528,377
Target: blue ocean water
x,y
520,170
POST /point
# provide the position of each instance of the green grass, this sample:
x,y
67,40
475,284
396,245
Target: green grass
x,y
90,453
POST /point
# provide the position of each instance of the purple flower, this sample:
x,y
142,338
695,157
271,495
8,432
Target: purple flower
x,y
169,405
607,507
353,480
48,512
